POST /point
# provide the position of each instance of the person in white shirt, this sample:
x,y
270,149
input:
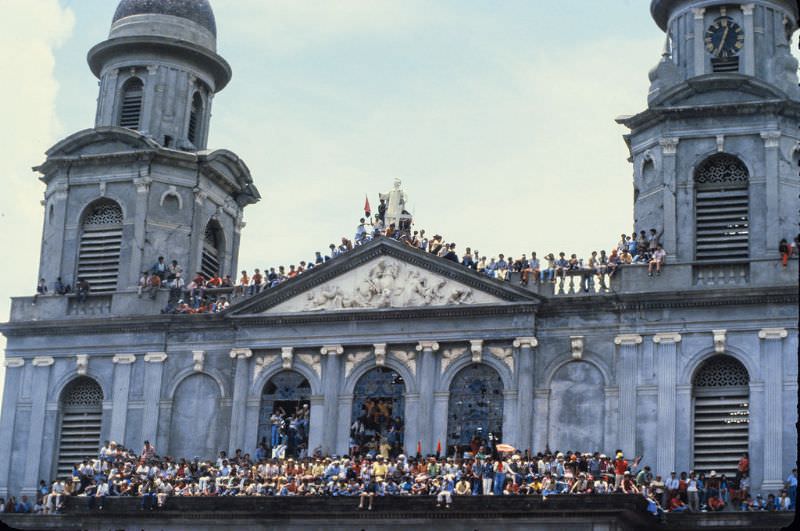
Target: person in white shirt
x,y
656,261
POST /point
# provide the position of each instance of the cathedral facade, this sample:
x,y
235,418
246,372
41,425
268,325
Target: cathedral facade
x,y
689,369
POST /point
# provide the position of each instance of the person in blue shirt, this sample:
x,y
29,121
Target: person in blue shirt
x,y
791,483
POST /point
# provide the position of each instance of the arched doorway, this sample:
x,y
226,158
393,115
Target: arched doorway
x,y
285,412
194,429
378,410
577,408
721,392
475,408
81,406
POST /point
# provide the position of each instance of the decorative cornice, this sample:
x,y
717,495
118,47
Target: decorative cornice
x,y
331,349
43,361
772,333
522,342
123,358
719,340
628,339
240,353
667,337
14,362
155,357
427,345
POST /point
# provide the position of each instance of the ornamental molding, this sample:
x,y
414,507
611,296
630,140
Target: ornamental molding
x,y
669,146
771,138
155,357
427,345
747,9
352,359
576,346
43,361
142,184
198,360
287,357
240,353
719,340
14,362
81,364
380,354
312,360
261,362
331,349
628,339
124,359
449,355
667,337
522,342
504,354
407,358
772,333
476,348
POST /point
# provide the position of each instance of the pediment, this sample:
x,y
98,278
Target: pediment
x,y
101,140
711,89
383,275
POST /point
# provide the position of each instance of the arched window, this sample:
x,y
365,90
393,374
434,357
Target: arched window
x,y
101,240
130,110
475,408
721,414
81,408
195,119
288,394
213,245
722,224
378,408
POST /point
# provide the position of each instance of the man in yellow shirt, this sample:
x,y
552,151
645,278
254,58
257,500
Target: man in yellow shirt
x,y
379,468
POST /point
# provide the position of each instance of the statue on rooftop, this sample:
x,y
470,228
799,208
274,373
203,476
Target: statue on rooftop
x,y
396,211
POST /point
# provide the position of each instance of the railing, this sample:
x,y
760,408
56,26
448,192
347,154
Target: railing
x,y
721,274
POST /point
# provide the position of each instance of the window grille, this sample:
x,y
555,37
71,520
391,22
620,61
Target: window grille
x,y
130,113
210,259
101,241
721,415
288,390
81,417
378,398
194,118
476,405
721,209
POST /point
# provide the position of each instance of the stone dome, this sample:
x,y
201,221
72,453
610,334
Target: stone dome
x,y
198,11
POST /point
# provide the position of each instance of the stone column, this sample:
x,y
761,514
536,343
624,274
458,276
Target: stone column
x,y
669,148
510,416
13,381
153,370
331,381
39,386
441,400
238,405
427,383
683,427
758,413
762,244
772,369
699,46
749,40
411,435
525,346
317,423
541,412
611,411
341,433
628,353
666,368
119,397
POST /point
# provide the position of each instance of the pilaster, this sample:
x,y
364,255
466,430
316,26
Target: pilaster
x,y
427,384
331,381
669,150
238,405
749,40
772,225
119,396
153,371
541,411
40,384
699,44
317,423
772,369
139,228
440,405
628,352
13,380
525,406
666,368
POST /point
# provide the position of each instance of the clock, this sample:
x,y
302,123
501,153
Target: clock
x,y
724,38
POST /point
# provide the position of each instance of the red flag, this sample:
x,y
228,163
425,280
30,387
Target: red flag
x,y
419,448
439,448
367,208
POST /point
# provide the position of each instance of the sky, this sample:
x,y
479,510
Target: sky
x,y
498,117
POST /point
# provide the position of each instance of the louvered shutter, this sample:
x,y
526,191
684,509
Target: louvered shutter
x,y
722,221
79,433
99,251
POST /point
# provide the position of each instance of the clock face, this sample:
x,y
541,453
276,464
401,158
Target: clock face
x,y
724,38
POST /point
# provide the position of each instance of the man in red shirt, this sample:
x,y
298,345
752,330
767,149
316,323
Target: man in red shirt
x,y
620,467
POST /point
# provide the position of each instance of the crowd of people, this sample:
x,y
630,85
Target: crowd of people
x,y
120,472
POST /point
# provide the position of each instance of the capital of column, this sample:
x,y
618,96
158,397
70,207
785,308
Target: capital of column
x,y
428,345
699,12
771,138
628,339
667,337
747,9
14,362
331,349
530,342
155,357
43,361
772,333
669,146
142,184
240,353
123,358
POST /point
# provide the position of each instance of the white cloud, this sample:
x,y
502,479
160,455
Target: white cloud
x,y
29,32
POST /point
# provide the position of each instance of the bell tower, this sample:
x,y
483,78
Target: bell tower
x,y
141,183
715,154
